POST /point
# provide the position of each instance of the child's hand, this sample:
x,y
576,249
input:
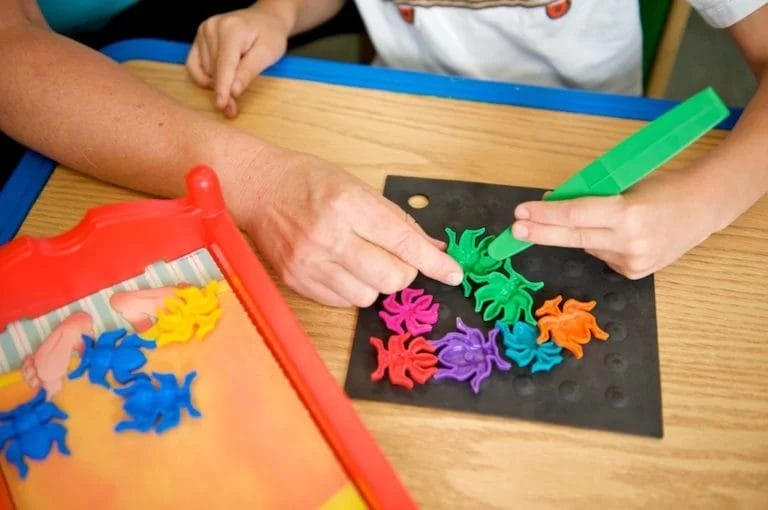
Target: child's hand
x,y
333,239
231,49
637,233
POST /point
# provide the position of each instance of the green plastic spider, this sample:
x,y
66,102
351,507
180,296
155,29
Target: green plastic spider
x,y
508,295
472,256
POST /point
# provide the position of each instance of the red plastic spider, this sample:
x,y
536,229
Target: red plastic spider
x,y
417,360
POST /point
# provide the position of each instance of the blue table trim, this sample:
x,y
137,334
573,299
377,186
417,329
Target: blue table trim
x,y
33,171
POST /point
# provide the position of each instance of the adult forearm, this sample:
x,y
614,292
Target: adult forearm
x,y
86,112
303,15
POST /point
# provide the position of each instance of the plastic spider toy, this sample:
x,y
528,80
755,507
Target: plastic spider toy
x,y
570,328
416,360
508,295
156,407
112,351
30,431
415,311
467,353
523,349
472,256
192,312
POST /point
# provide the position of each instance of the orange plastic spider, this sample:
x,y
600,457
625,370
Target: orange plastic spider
x,y
570,328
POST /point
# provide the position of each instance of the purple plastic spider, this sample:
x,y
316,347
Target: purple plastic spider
x,y
467,353
414,313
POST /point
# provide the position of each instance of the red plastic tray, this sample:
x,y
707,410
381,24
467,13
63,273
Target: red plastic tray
x,y
36,277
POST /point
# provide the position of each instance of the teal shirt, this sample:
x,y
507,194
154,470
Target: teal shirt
x,y
69,16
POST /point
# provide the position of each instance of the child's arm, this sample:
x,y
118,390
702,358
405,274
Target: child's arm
x,y
231,49
667,214
326,233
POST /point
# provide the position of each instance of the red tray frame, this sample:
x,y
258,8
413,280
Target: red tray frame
x,y
33,277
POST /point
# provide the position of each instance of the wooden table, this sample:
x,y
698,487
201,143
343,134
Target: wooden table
x,y
712,306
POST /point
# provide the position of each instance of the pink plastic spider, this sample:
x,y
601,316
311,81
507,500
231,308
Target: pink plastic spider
x,y
414,313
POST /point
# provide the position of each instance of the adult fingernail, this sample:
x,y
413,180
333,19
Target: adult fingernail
x,y
220,101
520,231
522,213
455,278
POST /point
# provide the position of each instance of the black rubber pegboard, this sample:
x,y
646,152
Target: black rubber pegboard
x,y
615,386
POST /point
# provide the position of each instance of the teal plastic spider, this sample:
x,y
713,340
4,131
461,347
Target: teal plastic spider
x,y
472,256
508,295
523,349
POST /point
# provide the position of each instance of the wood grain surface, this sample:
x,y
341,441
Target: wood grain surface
x,y
711,305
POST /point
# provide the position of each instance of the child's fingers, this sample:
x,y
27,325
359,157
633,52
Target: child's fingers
x,y
205,57
587,212
231,47
567,237
195,68
252,64
230,111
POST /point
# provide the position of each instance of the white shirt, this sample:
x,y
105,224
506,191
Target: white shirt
x,y
724,13
584,44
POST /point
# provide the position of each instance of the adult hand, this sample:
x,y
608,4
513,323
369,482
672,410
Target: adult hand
x,y
333,239
233,48
637,233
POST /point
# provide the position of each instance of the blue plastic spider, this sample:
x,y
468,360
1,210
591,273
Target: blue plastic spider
x,y
31,431
106,354
523,349
156,407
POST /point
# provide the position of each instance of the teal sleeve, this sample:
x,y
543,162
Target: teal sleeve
x,y
71,16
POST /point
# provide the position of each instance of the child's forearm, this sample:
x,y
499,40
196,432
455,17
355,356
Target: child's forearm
x,y
302,15
86,112
739,165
